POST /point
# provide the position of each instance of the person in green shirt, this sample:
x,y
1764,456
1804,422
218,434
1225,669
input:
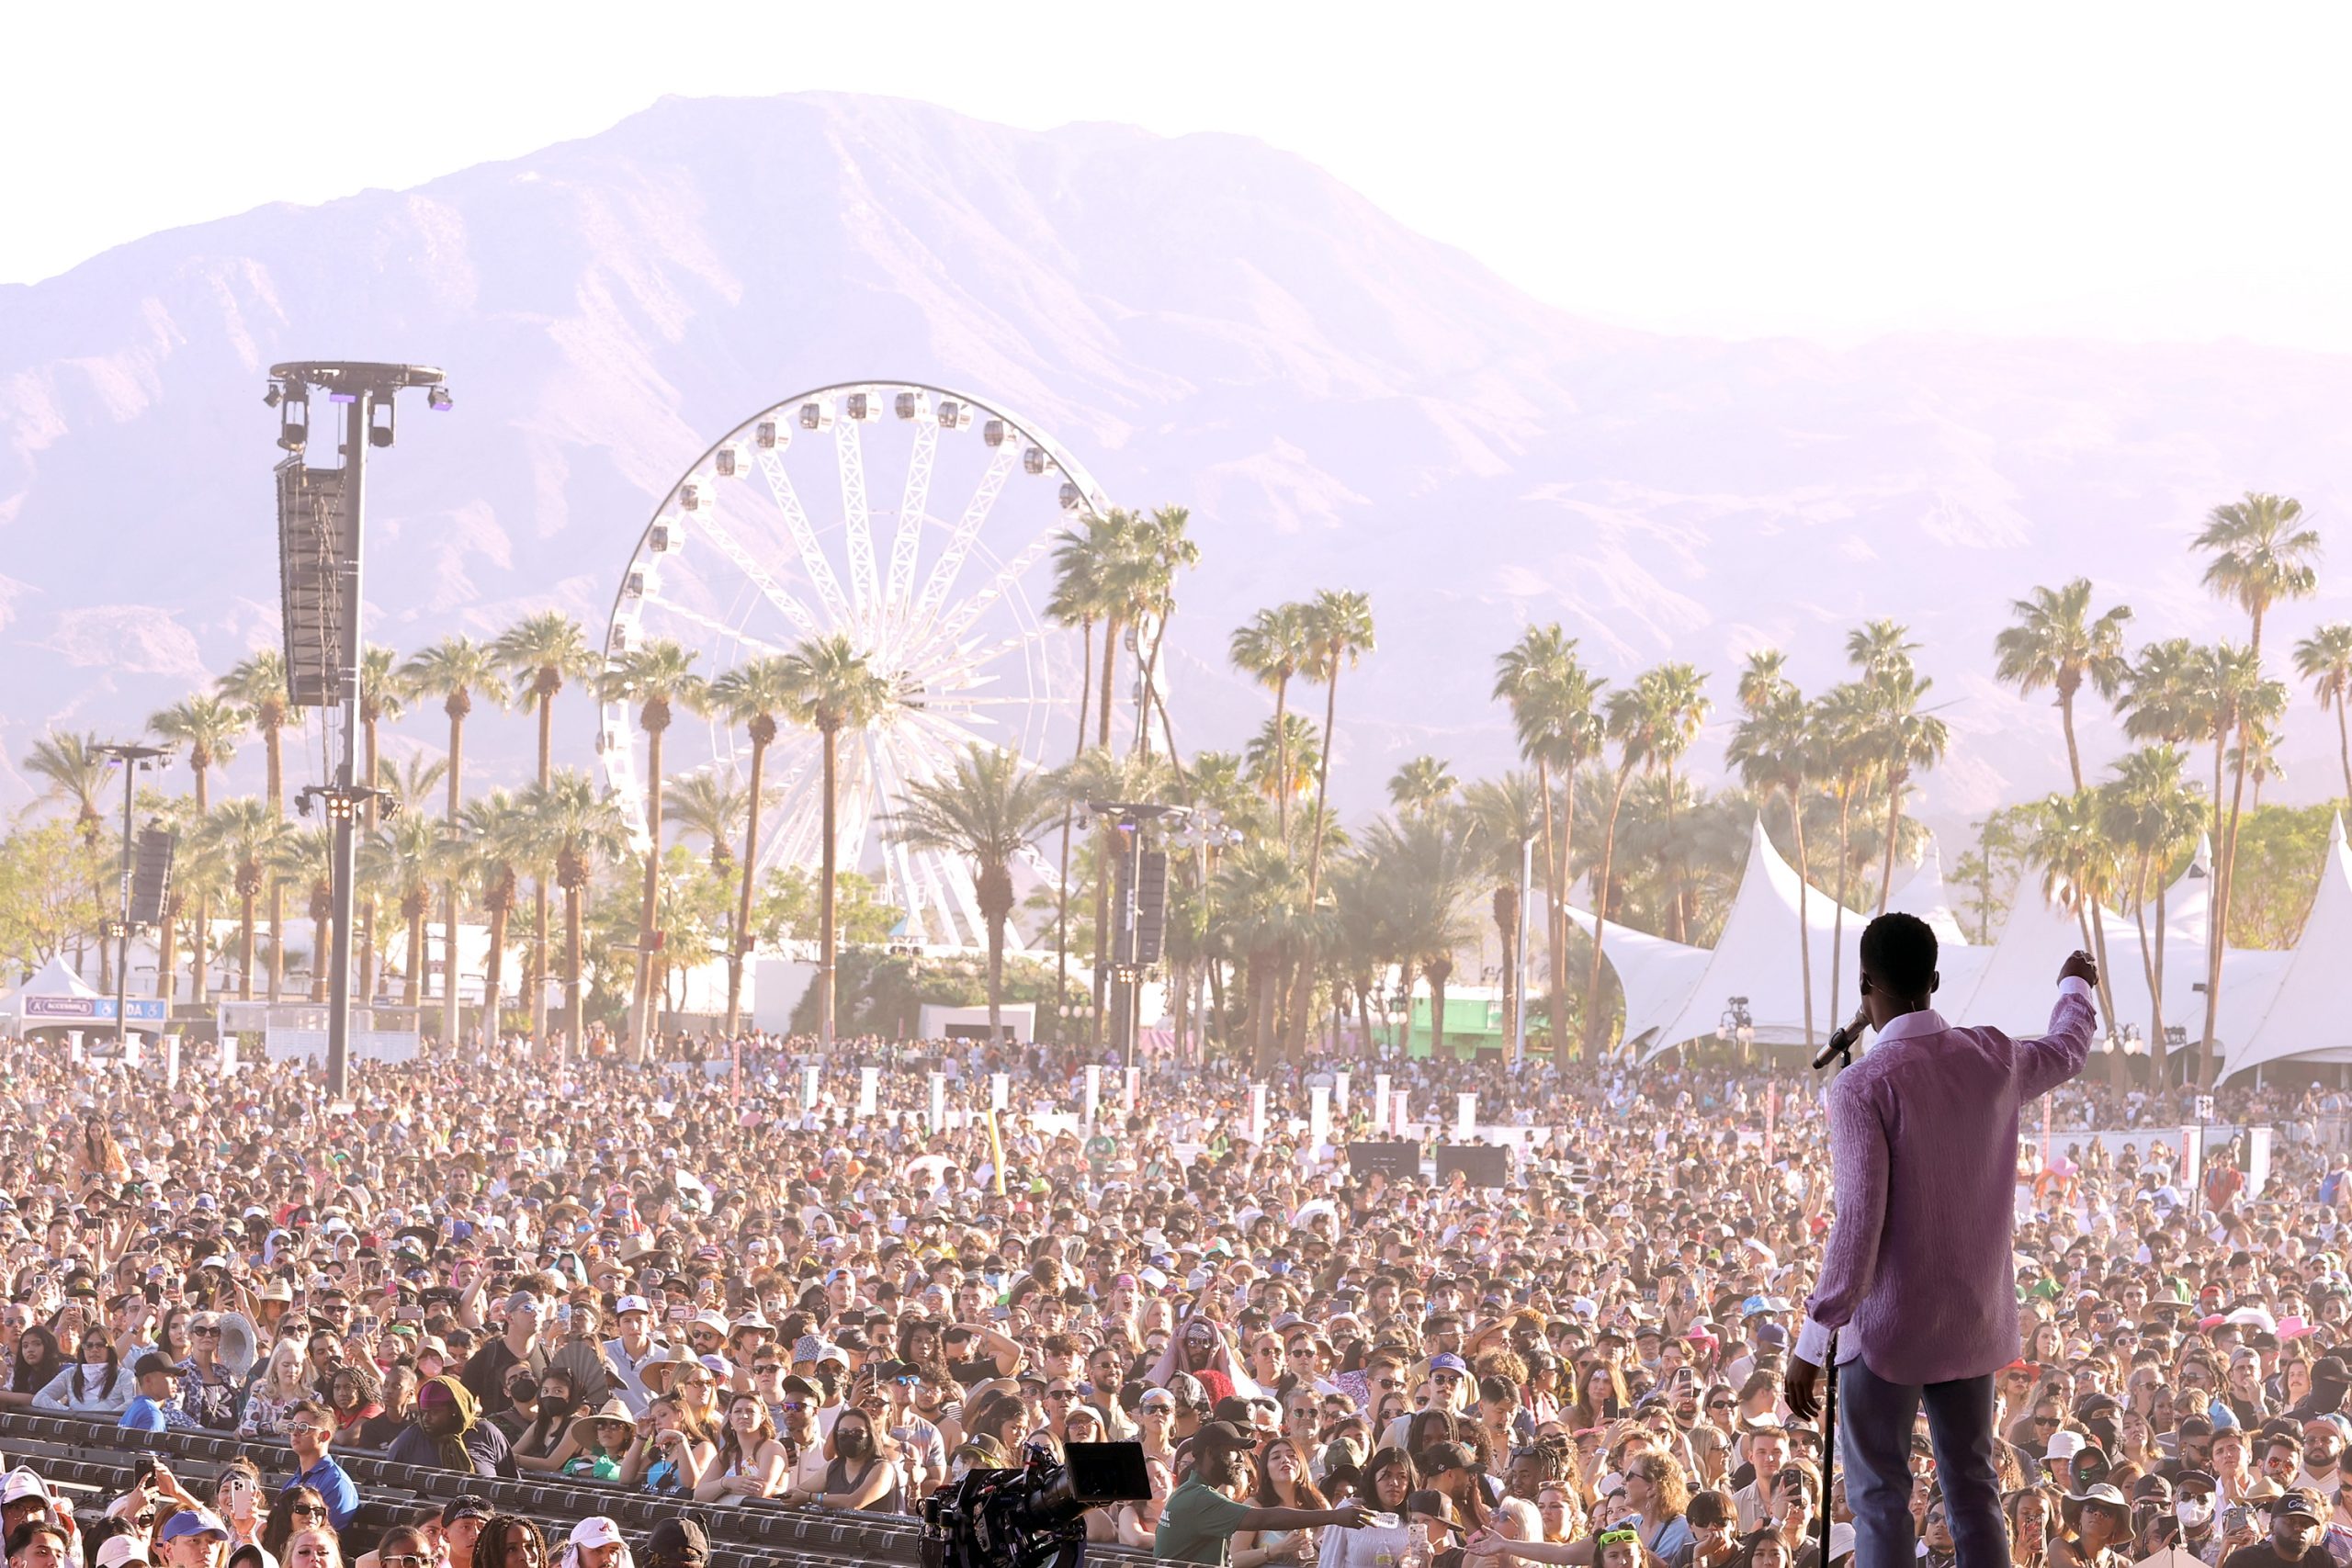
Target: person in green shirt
x,y
1198,1522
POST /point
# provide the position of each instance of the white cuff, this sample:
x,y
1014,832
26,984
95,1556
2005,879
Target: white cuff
x,y
2081,988
1812,1343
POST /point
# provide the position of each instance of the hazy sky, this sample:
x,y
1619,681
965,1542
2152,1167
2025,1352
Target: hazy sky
x,y
2131,171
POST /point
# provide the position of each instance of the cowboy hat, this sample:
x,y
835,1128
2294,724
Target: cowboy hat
x,y
583,1427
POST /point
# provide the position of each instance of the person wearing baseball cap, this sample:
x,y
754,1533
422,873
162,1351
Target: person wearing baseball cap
x,y
2296,1517
194,1538
158,1378
677,1544
1199,1521
462,1517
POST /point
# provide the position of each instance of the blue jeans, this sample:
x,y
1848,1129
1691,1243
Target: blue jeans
x,y
1875,1422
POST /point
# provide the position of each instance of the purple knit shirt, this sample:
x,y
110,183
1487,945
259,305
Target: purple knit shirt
x,y
1918,1278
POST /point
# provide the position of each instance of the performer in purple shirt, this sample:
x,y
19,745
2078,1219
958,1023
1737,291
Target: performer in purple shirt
x,y
1917,1280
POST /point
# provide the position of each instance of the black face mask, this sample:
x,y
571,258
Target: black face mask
x,y
555,1405
849,1443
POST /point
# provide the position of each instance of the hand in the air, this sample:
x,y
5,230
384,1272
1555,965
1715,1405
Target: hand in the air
x,y
2082,966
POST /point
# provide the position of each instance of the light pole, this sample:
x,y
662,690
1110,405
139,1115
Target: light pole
x,y
321,516
1518,981
133,760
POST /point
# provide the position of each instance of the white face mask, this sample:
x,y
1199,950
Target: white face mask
x,y
2195,1511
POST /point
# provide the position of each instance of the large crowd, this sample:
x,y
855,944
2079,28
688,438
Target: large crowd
x,y
691,1280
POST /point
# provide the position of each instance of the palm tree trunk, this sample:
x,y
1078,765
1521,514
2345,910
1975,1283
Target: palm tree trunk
x,y
1110,668
1322,781
2156,1044
1838,920
276,785
1804,921
1894,828
641,999
2149,960
1216,1005
996,975
825,907
1167,732
1281,764
245,947
494,973
2066,721
1437,970
537,968
454,1016
1593,1023
200,948
2226,892
1260,978
1506,909
414,996
2217,918
575,1019
2343,742
742,943
1069,812
1555,895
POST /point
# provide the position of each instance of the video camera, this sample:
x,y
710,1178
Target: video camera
x,y
1033,1516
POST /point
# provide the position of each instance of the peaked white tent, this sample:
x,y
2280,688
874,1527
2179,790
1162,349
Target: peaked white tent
x,y
73,999
2307,1016
1924,894
1658,975
1759,957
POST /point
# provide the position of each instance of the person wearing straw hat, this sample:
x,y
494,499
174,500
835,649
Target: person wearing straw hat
x,y
597,1442
2099,1522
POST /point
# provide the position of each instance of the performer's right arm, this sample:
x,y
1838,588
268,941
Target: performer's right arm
x,y
1859,1155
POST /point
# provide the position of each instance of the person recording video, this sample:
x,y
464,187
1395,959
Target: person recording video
x,y
1916,1279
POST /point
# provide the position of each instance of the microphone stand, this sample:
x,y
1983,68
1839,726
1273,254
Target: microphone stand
x,y
1840,1055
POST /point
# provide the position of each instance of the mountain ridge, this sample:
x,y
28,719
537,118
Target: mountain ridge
x,y
1201,319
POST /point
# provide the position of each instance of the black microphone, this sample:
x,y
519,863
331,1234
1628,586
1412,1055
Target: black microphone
x,y
1842,1039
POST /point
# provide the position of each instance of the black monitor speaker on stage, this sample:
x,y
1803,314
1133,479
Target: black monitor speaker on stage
x,y
1481,1166
1397,1161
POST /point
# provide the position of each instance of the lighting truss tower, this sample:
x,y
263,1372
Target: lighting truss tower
x,y
132,761
318,523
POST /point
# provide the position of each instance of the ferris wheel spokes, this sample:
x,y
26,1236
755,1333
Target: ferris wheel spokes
x,y
908,540
803,539
960,544
759,575
857,523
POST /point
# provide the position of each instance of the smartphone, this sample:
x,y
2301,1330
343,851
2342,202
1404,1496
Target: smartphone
x,y
153,1292
680,1314
2233,1519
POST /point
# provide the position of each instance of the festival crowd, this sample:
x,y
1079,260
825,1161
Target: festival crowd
x,y
683,1281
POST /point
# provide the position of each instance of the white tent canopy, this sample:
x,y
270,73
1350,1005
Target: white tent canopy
x,y
1760,953
2274,1005
2306,1016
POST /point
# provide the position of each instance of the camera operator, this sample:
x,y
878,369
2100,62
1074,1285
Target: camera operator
x,y
1200,1517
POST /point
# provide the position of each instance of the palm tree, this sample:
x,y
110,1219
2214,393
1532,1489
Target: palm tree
x,y
1260,900
1419,784
408,856
456,669
1905,739
206,728
306,858
496,846
2150,809
575,828
2229,699
834,687
257,684
1280,758
2078,870
1773,750
987,810
1078,600
2262,554
751,696
660,679
541,654
384,695
2058,643
1635,717
711,805
1339,633
1552,700
2324,659
1683,705
1164,546
1505,817
1273,648
1426,879
79,775
250,839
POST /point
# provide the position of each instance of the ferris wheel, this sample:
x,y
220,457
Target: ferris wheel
x,y
910,518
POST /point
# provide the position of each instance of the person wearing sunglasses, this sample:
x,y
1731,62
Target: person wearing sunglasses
x,y
310,1428
297,1509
